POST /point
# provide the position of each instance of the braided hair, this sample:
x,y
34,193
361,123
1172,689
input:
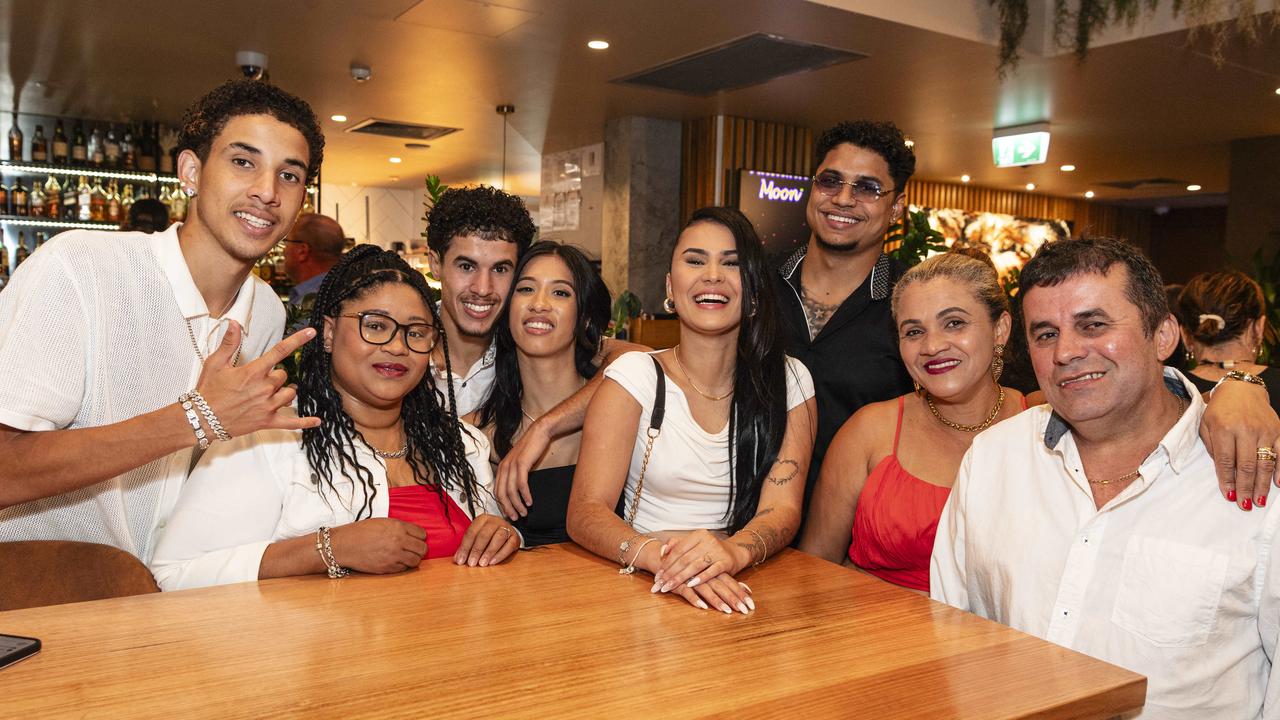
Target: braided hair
x,y
503,409
433,434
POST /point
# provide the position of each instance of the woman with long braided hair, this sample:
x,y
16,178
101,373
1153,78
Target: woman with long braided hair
x,y
389,478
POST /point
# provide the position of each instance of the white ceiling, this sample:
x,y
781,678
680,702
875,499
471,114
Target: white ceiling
x,y
1147,107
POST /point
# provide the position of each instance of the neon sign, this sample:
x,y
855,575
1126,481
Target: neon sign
x,y
771,191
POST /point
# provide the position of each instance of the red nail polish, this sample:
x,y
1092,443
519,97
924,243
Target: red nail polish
x,y
1247,504
1262,501
1231,495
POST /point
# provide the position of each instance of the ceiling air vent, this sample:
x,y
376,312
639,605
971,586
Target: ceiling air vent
x,y
392,128
1144,183
744,62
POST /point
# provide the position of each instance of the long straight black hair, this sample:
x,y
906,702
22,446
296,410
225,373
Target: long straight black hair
x,y
758,415
503,409
434,436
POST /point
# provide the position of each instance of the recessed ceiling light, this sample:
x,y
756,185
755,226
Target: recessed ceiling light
x,y
338,118
965,178
909,142
1088,193
1067,168
394,159
598,44
1031,186
1278,91
1193,187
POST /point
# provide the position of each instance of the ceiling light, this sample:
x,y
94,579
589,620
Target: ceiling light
x,y
598,44
909,142
1193,187
1031,186
1067,168
338,118
1278,91
964,178
394,160
1088,193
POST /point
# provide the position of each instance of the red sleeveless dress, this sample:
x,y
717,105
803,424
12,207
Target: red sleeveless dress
x,y
421,506
896,521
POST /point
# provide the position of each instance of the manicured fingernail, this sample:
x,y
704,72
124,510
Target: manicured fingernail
x,y
667,586
694,582
742,608
1246,504
457,560
725,607
662,551
748,587
484,562
656,587
750,603
1262,501
1231,495
702,605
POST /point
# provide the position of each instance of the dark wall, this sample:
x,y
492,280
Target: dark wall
x,y
1186,241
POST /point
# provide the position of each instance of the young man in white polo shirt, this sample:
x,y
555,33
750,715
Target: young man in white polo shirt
x,y
1095,522
102,332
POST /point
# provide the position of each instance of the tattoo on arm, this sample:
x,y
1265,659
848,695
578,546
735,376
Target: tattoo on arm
x,y
785,475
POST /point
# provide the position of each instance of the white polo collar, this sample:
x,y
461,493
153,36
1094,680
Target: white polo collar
x,y
164,245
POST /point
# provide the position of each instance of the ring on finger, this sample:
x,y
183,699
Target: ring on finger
x,y
1266,454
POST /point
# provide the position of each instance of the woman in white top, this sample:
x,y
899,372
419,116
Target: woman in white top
x,y
388,479
722,487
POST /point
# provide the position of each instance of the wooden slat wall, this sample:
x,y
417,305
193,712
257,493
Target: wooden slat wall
x,y
748,145
1087,218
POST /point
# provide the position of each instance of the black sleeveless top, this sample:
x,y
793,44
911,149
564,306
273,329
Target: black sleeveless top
x,y
545,522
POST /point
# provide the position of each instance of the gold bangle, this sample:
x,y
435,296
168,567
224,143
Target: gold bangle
x,y
632,567
764,547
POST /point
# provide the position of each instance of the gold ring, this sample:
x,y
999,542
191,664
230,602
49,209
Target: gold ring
x,y
504,527
1266,454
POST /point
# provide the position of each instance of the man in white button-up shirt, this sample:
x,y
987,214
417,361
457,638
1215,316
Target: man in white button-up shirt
x,y
1095,522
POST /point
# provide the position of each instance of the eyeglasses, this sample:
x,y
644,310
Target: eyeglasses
x,y
867,191
378,329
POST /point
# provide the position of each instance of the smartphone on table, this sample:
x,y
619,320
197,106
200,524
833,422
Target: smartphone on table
x,y
15,647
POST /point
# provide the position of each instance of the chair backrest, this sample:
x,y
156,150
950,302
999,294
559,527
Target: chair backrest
x,y
52,572
657,333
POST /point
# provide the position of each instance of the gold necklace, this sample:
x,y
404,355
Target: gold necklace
x,y
712,398
1130,476
968,428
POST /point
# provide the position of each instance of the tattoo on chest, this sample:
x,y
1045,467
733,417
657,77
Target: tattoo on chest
x,y
784,475
816,312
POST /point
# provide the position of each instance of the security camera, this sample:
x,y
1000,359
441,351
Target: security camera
x,y
360,73
252,64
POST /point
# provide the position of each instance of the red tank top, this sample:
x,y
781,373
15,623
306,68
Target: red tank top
x,y
421,506
896,520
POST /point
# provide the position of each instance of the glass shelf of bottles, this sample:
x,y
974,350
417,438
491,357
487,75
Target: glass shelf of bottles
x,y
20,220
8,167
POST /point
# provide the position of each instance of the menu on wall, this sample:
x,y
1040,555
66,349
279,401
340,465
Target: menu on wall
x,y
562,173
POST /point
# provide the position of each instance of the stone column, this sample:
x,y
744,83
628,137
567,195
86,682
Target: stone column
x,y
641,206
1253,207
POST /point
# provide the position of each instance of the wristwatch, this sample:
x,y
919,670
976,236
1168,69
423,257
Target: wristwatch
x,y
1245,377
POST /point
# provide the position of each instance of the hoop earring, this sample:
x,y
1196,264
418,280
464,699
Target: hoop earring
x,y
997,362
669,305
755,307
917,386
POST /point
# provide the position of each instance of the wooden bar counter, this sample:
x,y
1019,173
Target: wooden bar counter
x,y
553,633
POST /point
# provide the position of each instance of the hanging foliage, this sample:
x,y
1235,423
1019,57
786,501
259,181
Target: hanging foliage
x,y
1076,23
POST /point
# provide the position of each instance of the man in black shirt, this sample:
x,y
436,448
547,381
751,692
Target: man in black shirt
x,y
835,290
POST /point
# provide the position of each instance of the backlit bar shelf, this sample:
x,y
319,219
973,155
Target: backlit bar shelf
x,y
8,167
27,221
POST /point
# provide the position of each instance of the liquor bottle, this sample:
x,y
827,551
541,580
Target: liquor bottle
x,y
41,239
126,201
15,140
97,201
4,206
4,262
128,150
83,195
23,253
113,203
168,158
146,150
18,196
61,148
69,195
97,153
39,146
112,149
79,148
178,201
52,198
35,200
165,198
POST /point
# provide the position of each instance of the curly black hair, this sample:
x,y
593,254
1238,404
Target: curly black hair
x,y
591,298
209,115
482,210
432,431
882,138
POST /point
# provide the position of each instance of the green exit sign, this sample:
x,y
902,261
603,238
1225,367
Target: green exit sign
x,y
1022,148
